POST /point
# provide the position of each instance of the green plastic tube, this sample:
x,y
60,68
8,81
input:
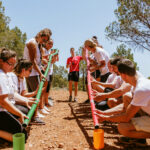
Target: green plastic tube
x,y
31,112
19,141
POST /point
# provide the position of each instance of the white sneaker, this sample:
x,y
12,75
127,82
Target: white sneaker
x,y
40,115
46,109
43,111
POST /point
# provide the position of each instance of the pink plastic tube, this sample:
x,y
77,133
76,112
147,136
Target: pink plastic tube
x,y
95,120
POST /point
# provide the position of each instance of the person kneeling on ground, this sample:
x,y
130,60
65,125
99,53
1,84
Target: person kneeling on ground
x,y
136,128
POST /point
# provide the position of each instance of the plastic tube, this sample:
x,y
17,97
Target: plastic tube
x,y
95,120
19,141
98,138
31,112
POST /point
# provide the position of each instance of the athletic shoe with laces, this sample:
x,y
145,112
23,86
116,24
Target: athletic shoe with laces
x,y
43,111
37,121
46,109
70,98
40,115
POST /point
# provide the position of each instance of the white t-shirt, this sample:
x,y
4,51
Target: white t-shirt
x,y
110,78
38,56
117,80
100,55
47,52
6,85
20,84
141,94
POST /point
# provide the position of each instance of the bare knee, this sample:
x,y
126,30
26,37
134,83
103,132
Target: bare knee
x,y
123,129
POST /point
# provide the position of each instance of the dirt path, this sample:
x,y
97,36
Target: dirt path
x,y
69,127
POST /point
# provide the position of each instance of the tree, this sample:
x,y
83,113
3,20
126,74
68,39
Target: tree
x,y
132,25
60,76
125,53
10,38
81,83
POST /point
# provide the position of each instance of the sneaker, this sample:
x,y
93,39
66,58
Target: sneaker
x,y
43,111
40,115
75,99
46,109
37,121
70,98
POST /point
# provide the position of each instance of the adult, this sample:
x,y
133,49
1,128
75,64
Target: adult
x,y
47,51
113,82
32,52
101,57
131,126
22,70
73,76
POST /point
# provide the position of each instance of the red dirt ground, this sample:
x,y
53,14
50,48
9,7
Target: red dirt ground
x,y
69,126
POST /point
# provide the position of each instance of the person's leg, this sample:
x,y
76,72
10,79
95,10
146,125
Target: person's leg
x,y
32,83
98,88
50,84
9,125
128,130
70,88
76,89
5,135
42,98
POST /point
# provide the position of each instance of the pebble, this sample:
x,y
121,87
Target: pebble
x,y
60,145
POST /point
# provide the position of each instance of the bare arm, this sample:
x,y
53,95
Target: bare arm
x,y
113,94
115,110
5,103
123,117
32,54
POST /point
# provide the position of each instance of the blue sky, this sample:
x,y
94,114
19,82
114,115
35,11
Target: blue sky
x,y
71,21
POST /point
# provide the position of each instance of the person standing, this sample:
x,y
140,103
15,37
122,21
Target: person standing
x,y
73,76
32,53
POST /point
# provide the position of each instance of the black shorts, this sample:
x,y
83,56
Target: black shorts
x,y
96,74
105,77
73,76
49,83
10,124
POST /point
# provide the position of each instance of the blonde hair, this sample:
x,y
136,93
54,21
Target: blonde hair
x,y
90,43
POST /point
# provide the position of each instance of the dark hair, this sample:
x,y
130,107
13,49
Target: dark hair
x,y
22,64
71,48
94,37
114,61
126,66
45,32
6,54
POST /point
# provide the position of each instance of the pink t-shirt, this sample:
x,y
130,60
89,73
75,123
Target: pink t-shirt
x,y
74,61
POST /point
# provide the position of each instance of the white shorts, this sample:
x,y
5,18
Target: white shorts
x,y
142,123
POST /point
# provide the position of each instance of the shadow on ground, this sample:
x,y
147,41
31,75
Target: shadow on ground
x,y
82,114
